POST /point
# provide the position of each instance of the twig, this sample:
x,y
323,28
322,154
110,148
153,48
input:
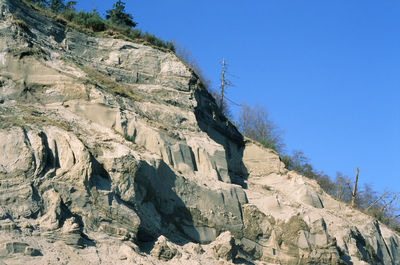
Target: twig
x,y
380,198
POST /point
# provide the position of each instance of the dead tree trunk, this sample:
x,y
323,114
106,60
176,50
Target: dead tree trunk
x,y
354,194
221,96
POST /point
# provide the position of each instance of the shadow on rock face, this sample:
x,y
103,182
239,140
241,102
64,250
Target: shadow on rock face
x,y
221,130
32,17
160,208
168,204
100,177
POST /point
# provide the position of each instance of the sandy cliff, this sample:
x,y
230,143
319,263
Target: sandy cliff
x,y
113,152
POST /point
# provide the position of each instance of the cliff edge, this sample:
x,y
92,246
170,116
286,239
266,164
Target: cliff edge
x,y
113,152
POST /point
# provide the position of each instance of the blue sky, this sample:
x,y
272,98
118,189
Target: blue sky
x,y
328,72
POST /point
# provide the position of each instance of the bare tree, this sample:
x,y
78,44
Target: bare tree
x,y
186,56
223,84
221,95
256,124
343,187
298,160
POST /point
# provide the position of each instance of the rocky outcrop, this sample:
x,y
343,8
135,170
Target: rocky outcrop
x,y
113,152
164,250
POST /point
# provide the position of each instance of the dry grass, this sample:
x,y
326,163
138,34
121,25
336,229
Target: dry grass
x,y
25,116
20,23
98,78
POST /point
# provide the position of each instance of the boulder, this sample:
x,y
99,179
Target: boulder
x,y
163,250
224,246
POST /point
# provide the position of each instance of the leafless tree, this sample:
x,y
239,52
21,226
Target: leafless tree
x,y
186,56
343,187
256,124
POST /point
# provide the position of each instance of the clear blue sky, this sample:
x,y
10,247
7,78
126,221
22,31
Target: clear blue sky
x,y
327,71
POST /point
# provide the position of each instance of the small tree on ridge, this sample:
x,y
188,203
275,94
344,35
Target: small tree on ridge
x,y
118,16
255,123
57,5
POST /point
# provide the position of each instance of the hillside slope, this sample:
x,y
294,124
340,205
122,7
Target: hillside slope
x,y
113,152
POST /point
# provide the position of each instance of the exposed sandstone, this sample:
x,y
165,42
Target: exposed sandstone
x,y
113,152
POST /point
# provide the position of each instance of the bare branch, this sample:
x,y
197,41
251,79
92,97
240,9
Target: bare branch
x,y
389,203
376,201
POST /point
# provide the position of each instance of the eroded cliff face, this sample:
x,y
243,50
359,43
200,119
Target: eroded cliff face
x,y
112,152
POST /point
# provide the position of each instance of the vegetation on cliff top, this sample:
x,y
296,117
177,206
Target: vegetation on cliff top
x,y
117,22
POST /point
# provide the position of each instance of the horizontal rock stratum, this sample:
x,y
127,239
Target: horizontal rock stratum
x,y
113,152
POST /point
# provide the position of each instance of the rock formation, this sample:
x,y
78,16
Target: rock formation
x,y
113,152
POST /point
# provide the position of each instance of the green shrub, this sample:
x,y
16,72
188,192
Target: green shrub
x,y
135,34
69,15
118,16
95,22
90,20
266,187
119,24
378,215
56,5
170,45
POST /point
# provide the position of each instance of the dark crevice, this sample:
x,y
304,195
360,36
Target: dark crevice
x,y
36,198
193,159
65,214
100,177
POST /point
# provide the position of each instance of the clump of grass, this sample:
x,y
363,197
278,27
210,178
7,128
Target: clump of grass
x,y
20,23
25,116
266,187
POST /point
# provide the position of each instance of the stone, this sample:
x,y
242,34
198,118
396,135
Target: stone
x,y
224,246
12,248
261,161
29,251
257,225
163,250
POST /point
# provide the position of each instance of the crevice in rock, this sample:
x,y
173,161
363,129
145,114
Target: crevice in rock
x,y
193,159
100,177
52,161
36,198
